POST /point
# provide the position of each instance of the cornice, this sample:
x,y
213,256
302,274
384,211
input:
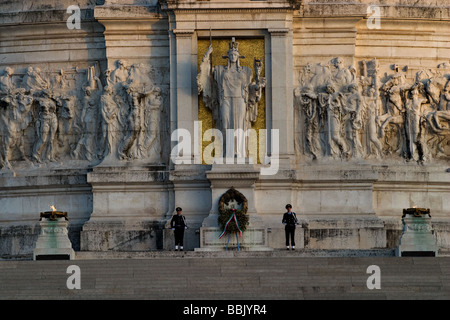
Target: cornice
x,y
232,10
322,9
181,32
228,6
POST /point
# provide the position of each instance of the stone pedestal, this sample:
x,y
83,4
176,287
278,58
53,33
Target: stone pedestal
x,y
242,177
253,239
53,242
191,191
417,237
129,204
336,202
359,232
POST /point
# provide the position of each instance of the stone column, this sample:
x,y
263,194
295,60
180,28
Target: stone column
x,y
184,72
190,187
242,178
282,93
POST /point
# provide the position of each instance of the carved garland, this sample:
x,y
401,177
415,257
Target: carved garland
x,y
226,220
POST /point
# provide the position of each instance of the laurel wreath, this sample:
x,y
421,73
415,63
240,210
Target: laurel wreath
x,y
227,222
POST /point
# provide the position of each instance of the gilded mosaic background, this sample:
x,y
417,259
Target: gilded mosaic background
x,y
250,48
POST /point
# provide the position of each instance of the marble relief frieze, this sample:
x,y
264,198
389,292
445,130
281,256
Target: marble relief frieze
x,y
352,112
80,114
342,112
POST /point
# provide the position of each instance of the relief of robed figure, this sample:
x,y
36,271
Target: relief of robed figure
x,y
231,95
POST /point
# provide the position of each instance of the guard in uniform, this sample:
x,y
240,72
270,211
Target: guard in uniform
x,y
178,225
290,221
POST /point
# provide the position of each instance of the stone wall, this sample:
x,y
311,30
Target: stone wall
x,y
86,118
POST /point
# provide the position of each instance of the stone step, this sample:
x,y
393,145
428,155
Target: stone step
x,y
183,276
86,255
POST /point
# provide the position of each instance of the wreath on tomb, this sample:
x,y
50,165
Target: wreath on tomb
x,y
233,220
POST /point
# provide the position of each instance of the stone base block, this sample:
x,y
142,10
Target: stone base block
x,y
18,241
277,238
345,233
121,235
441,228
191,239
253,239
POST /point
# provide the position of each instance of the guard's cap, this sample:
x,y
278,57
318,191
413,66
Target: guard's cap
x,y
178,209
288,206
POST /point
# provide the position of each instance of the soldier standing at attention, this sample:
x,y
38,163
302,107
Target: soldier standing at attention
x,y
178,224
290,221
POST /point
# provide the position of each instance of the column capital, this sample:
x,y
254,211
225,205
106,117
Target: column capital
x,y
183,32
281,32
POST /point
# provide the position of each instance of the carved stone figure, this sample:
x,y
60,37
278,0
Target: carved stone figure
x,y
152,141
6,81
353,108
121,73
338,145
394,90
46,126
15,117
309,104
414,125
343,75
66,106
438,120
128,148
109,124
59,81
32,81
108,80
394,93
136,110
444,103
334,123
225,91
255,92
316,75
373,143
86,148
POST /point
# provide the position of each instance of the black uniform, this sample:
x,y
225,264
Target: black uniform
x,y
290,221
179,224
